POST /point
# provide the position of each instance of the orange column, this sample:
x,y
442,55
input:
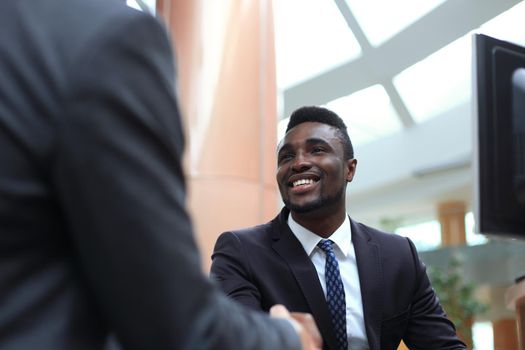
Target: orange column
x,y
520,314
505,334
227,90
515,300
452,219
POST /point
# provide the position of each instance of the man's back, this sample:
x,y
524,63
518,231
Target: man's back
x,y
94,235
40,276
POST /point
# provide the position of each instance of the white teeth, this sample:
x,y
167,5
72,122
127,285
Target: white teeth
x,y
302,182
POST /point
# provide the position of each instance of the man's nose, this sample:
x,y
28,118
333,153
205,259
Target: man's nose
x,y
301,163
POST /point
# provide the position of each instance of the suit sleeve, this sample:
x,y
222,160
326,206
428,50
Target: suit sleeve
x,y
117,172
428,327
230,269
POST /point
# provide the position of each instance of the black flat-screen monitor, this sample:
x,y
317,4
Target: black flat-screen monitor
x,y
499,137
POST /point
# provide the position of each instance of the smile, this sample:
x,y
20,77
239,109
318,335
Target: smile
x,y
302,182
308,180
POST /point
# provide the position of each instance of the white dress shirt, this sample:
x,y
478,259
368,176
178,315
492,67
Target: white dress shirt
x,y
345,254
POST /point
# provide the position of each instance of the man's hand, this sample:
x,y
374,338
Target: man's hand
x,y
304,325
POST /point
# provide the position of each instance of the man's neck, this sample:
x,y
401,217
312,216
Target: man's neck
x,y
322,224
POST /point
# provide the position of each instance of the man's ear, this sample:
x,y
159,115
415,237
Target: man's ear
x,y
351,165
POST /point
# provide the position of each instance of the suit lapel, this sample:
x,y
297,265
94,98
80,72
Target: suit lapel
x,y
290,249
371,282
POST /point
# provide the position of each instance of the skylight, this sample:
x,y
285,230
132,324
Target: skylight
x,y
442,81
382,19
507,26
368,114
310,38
439,82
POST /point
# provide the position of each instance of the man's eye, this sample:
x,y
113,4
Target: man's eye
x,y
317,150
285,157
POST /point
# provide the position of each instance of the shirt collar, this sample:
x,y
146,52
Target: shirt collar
x,y
342,237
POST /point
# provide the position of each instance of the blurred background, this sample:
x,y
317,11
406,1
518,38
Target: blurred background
x,y
400,74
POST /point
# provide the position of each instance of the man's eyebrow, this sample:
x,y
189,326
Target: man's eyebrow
x,y
310,142
315,141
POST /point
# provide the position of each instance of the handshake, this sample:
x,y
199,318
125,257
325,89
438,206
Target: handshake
x,y
304,325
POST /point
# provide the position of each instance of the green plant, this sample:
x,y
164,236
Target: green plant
x,y
457,298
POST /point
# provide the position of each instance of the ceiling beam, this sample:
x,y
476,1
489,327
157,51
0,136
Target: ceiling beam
x,y
443,25
354,26
402,111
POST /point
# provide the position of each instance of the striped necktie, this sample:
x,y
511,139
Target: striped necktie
x,y
335,294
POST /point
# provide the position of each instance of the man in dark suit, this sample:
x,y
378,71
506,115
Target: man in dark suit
x,y
94,235
377,291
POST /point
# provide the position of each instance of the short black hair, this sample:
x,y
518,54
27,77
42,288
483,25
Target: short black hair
x,y
325,116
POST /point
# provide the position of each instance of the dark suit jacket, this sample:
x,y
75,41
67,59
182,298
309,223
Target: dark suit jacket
x,y
266,264
94,236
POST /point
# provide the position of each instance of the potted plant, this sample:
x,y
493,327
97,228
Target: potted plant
x,y
457,298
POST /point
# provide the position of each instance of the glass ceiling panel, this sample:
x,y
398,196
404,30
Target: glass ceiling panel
x,y
439,82
368,114
442,81
507,26
311,36
382,19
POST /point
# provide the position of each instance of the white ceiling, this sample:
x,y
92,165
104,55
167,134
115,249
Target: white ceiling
x,y
399,74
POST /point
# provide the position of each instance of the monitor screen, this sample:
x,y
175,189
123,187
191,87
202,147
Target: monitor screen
x,y
499,127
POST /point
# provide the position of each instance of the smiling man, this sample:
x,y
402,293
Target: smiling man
x,y
366,289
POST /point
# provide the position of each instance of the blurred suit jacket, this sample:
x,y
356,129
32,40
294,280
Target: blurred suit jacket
x,y
266,264
94,235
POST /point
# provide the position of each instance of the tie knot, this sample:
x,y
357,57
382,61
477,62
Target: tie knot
x,y
326,245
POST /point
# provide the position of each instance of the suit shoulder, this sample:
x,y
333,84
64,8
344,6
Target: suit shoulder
x,y
249,241
253,233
